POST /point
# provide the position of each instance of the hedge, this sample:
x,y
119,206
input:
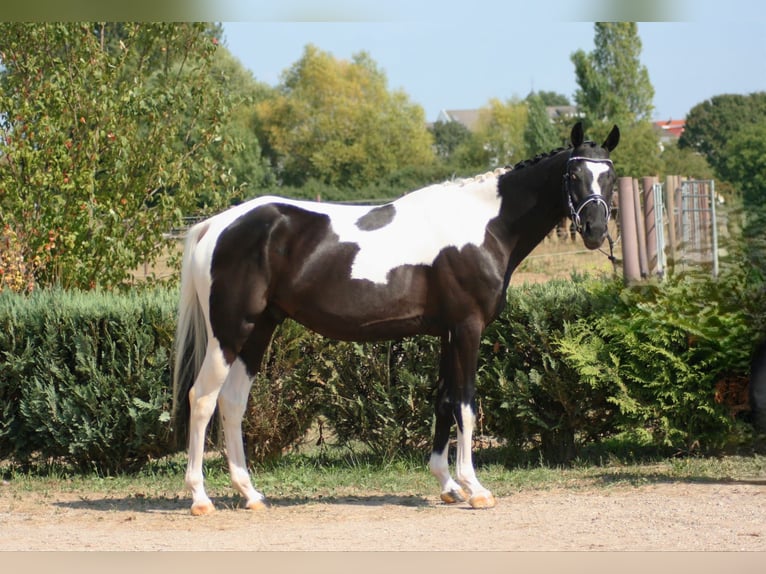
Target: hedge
x,y
85,377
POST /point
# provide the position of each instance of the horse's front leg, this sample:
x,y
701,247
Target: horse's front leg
x,y
438,464
480,497
460,351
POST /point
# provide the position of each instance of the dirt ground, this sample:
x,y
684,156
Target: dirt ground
x,y
684,516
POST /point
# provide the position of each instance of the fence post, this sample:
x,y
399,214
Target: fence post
x,y
640,230
630,265
647,184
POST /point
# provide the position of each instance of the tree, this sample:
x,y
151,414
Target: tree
x,y
684,162
638,154
540,135
712,123
742,162
613,85
335,121
552,98
448,137
105,137
499,137
245,169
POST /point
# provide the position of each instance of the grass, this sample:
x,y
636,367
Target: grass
x,y
333,473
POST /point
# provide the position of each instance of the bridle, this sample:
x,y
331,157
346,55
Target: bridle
x,y
575,209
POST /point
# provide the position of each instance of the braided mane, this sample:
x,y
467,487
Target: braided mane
x,y
539,157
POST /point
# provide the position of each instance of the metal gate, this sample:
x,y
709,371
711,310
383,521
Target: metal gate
x,y
692,234
697,226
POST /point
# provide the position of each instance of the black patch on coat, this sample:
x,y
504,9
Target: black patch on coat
x,y
377,218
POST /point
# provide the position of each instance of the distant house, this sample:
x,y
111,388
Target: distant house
x,y
566,112
670,130
469,118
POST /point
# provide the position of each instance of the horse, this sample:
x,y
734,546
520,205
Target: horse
x,y
436,261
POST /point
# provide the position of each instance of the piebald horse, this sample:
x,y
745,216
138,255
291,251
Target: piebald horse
x,y
436,261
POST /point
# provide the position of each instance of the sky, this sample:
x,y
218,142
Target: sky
x,y
456,58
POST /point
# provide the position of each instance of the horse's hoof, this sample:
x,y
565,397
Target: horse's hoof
x,y
202,508
454,496
485,500
256,505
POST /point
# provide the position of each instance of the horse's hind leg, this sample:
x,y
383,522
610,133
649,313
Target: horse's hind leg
x,y
202,399
232,403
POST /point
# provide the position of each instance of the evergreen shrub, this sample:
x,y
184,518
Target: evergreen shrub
x,y
85,377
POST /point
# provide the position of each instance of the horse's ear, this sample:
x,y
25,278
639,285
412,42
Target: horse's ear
x,y
578,135
612,139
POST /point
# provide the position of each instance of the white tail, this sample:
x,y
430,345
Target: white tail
x,y
191,338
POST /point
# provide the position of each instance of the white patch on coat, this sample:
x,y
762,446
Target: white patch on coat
x,y
597,168
426,221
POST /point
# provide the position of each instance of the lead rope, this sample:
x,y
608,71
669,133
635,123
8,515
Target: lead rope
x,y
610,255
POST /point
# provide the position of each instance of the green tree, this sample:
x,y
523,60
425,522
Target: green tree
x,y
684,162
448,137
743,163
105,136
553,98
712,123
540,135
639,152
499,137
335,121
613,85
245,169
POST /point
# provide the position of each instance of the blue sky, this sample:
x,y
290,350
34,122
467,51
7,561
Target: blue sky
x,y
453,58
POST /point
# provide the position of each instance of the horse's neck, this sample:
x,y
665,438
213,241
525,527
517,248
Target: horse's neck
x,y
524,225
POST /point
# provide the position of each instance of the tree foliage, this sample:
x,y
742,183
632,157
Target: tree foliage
x,y
613,85
499,136
712,123
105,137
540,135
448,138
335,121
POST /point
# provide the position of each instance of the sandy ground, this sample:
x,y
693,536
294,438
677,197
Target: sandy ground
x,y
723,516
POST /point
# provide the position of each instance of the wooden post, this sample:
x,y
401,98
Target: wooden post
x,y
630,264
647,184
640,230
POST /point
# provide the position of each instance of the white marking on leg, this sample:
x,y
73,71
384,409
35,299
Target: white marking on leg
x,y
464,471
232,403
202,398
438,464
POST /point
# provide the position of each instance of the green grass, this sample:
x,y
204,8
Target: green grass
x,y
333,473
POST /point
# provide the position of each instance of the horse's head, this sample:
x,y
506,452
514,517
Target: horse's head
x,y
589,183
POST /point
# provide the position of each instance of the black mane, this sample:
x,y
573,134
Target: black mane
x,y
541,156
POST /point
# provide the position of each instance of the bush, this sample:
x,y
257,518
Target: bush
x,y
662,350
380,393
285,398
530,393
85,377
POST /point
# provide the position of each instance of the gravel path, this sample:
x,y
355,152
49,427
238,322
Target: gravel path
x,y
667,516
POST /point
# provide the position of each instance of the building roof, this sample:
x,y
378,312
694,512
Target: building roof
x,y
469,118
671,128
